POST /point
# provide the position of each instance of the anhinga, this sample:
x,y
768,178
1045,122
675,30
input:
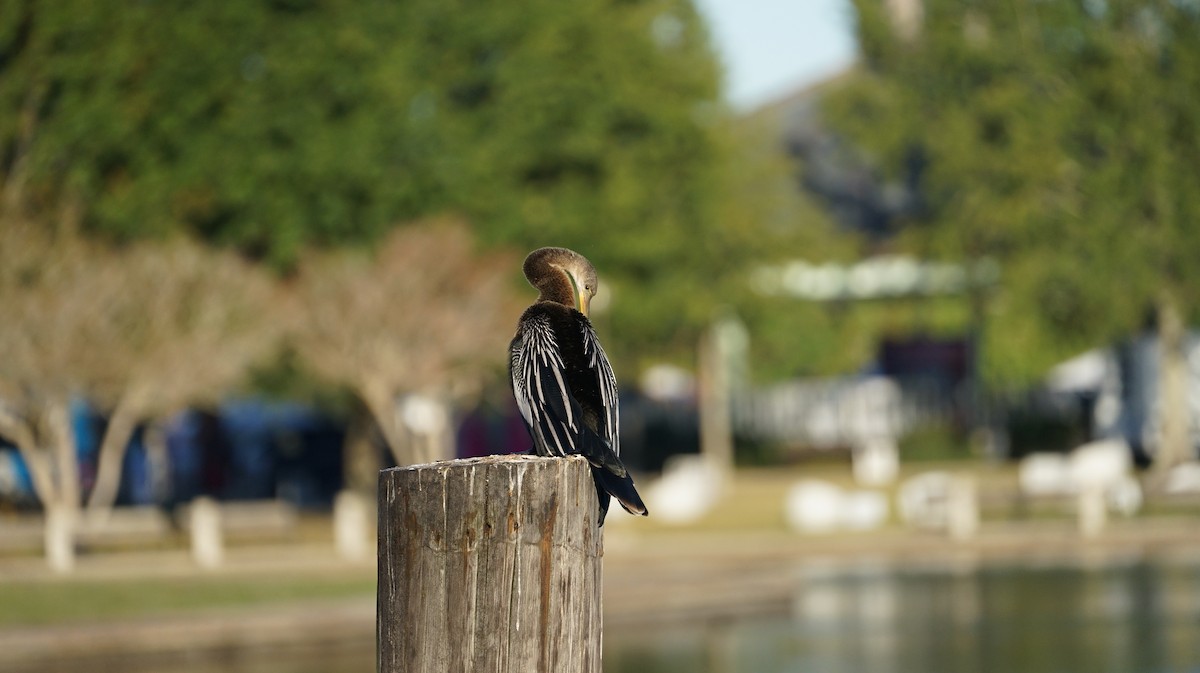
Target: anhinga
x,y
561,378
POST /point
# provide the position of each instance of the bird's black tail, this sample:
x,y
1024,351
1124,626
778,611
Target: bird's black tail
x,y
620,487
610,476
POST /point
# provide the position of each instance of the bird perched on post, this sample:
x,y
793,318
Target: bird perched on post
x,y
564,386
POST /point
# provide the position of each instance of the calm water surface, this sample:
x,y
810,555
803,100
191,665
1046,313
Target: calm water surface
x,y
1138,618
1134,618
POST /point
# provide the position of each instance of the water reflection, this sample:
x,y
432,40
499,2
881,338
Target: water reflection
x,y
1134,618
1137,618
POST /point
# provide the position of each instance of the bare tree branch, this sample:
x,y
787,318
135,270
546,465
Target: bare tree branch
x,y
425,314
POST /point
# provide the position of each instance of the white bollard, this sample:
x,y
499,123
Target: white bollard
x,y
1042,474
208,549
962,509
1093,511
689,488
1099,464
814,506
875,461
350,523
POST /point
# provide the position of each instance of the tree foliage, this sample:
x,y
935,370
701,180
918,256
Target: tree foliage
x,y
1060,138
277,125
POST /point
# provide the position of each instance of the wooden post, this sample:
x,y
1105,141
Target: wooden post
x,y
489,565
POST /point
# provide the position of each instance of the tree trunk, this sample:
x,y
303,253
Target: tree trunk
x,y
60,536
23,434
62,509
381,401
427,428
360,459
66,464
48,449
121,425
1174,418
716,424
158,457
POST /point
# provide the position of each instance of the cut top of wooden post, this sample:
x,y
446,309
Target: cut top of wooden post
x,y
489,564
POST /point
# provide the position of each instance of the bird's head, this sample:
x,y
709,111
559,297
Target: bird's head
x,y
562,276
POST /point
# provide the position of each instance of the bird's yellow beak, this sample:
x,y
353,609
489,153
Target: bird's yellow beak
x,y
582,298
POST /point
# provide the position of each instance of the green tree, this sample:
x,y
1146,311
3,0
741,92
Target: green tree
x,y
1059,138
594,126
273,125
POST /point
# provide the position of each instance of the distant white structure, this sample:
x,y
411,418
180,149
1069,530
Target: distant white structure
x,y
825,413
1124,381
881,276
875,461
940,501
1044,474
815,506
863,510
1103,466
689,487
1125,495
1183,478
1099,464
668,382
1098,475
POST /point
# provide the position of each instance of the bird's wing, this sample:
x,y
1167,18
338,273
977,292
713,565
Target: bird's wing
x,y
598,361
552,414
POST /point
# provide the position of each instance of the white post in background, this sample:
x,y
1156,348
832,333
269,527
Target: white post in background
x,y
350,526
962,508
1093,511
721,369
875,461
208,549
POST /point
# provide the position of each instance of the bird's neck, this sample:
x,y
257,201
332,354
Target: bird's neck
x,y
561,292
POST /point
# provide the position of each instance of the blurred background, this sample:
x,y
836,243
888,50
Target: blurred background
x,y
898,292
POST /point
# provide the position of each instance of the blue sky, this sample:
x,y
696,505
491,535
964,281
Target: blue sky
x,y
772,47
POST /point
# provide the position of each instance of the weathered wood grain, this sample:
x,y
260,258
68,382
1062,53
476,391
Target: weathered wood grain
x,y
490,565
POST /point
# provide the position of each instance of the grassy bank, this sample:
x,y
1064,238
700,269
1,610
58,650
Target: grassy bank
x,y
744,533
45,603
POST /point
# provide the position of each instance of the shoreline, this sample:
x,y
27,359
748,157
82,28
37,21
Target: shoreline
x,y
649,580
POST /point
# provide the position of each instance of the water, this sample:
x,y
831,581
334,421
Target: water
x,y
1136,618
1131,618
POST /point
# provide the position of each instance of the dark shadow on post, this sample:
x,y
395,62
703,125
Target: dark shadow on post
x,y
489,564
